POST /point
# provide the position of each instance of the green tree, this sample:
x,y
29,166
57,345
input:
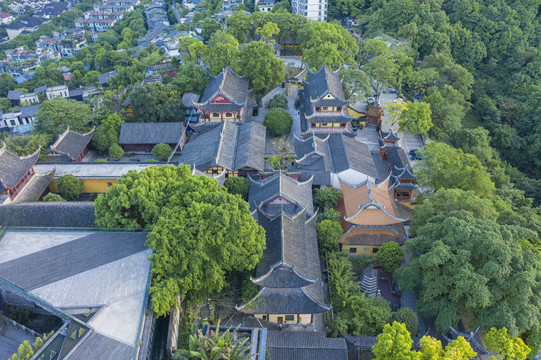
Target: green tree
x,y
328,235
507,348
278,122
259,65
54,115
156,103
190,78
372,48
394,343
116,151
446,201
195,260
283,153
416,118
449,270
390,256
53,197
238,185
356,84
443,166
215,345
277,101
27,145
327,44
7,82
407,317
267,31
161,151
223,50
104,139
326,197
210,26
329,214
69,187
383,70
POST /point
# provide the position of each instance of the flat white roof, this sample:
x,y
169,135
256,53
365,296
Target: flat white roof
x,y
108,170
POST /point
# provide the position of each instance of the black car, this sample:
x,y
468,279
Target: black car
x,y
413,152
417,157
256,111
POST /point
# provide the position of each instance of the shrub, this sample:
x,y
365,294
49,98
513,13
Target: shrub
x,y
329,214
327,197
278,122
115,151
390,256
328,235
408,317
53,197
238,185
69,187
161,151
248,290
278,101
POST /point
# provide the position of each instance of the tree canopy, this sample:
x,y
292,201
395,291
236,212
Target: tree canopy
x,y
462,263
55,115
278,122
156,103
260,67
200,232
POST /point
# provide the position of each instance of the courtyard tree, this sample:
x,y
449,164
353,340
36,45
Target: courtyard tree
x,y
283,154
259,66
55,115
69,187
116,151
238,185
328,235
278,122
156,103
390,256
508,348
327,197
161,151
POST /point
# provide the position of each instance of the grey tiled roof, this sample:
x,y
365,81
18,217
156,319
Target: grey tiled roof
x,y
71,143
27,111
13,167
303,345
102,78
48,214
389,135
14,94
229,145
330,102
329,119
219,107
228,84
289,272
188,99
98,346
150,133
397,158
43,267
279,185
324,81
34,188
40,89
334,154
76,92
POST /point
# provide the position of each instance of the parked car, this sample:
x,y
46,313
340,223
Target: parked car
x,y
399,100
417,157
256,111
413,152
391,90
371,100
354,128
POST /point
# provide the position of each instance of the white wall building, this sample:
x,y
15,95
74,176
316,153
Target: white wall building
x,y
312,9
57,91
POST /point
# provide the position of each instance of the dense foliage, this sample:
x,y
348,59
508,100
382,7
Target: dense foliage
x,y
238,185
161,151
156,103
200,232
69,187
326,197
55,115
462,264
328,235
390,256
354,313
278,122
395,343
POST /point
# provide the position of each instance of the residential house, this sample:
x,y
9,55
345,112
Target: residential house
x,y
53,9
289,274
97,25
19,182
98,15
28,99
370,216
265,6
312,9
70,146
29,25
189,99
97,177
323,104
84,281
113,8
333,157
6,18
54,92
15,97
225,98
19,122
142,137
76,94
102,78
226,149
